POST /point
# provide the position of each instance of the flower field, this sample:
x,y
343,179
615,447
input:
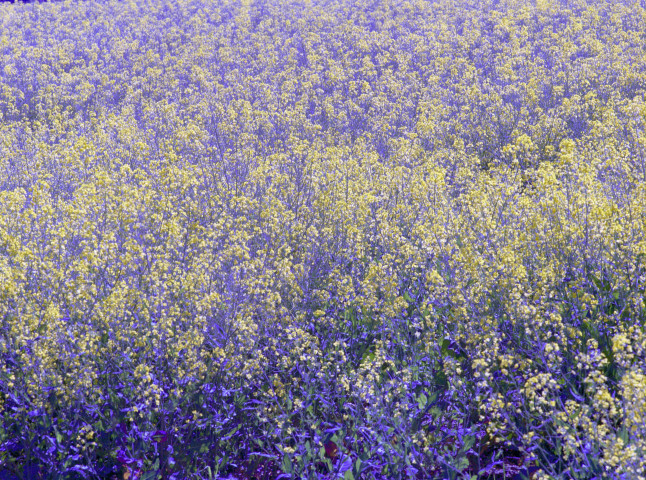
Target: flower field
x,y
345,239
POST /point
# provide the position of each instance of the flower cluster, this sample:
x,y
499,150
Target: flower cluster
x,y
311,239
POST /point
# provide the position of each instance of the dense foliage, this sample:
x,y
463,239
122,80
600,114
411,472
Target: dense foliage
x,y
323,239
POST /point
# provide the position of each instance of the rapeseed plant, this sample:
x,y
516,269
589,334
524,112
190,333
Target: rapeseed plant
x,y
315,239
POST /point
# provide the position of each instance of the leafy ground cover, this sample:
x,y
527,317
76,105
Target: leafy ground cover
x,y
323,240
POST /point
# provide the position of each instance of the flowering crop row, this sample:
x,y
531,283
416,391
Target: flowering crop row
x,y
308,239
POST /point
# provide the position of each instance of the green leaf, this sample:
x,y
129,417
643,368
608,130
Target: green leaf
x,y
322,454
152,475
441,380
421,401
623,434
356,468
463,464
445,346
231,433
587,327
287,464
408,298
469,440
348,475
596,281
370,356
